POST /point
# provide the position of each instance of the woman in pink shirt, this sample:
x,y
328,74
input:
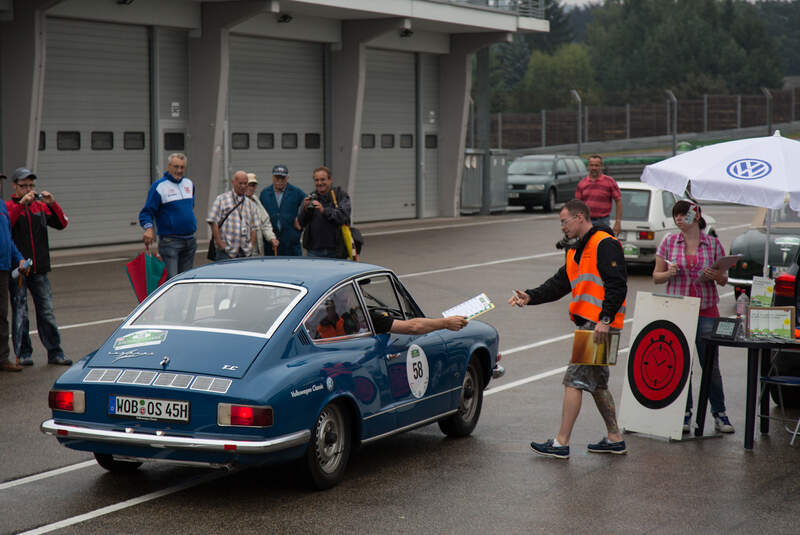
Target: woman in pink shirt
x,y
683,261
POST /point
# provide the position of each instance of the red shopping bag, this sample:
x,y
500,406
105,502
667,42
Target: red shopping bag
x,y
146,273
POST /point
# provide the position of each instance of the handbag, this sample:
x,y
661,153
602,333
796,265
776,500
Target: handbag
x,y
350,250
212,248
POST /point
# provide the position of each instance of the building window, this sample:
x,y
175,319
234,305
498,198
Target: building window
x,y
367,141
240,141
42,140
133,140
265,141
68,141
174,141
288,141
406,141
313,141
431,141
387,141
102,140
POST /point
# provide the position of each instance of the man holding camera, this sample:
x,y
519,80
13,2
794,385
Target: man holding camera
x,y
322,214
30,214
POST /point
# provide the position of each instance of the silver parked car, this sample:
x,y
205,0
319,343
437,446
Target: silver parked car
x,y
646,219
543,180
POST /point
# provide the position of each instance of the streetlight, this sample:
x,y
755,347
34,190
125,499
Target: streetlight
x,y
577,98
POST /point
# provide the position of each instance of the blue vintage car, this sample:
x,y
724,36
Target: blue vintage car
x,y
268,360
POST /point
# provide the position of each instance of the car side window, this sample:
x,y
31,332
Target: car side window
x,y
572,166
380,296
668,201
339,314
580,165
561,166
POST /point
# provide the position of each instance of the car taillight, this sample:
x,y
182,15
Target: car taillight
x,y
647,235
67,400
499,356
244,415
784,285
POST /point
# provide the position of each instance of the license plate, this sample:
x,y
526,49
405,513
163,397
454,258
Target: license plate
x,y
630,251
622,236
149,409
513,195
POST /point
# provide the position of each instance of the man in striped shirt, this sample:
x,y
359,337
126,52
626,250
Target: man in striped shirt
x,y
597,191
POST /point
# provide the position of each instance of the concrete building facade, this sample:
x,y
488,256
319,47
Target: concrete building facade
x,y
96,93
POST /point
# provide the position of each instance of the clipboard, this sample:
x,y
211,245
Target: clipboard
x,y
724,263
471,307
586,352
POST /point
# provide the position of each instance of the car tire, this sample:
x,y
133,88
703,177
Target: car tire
x,y
118,467
329,449
466,417
550,201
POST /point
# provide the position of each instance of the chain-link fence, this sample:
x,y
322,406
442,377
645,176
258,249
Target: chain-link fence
x,y
605,123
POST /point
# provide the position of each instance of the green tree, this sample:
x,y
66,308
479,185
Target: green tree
x,y
783,21
640,47
549,78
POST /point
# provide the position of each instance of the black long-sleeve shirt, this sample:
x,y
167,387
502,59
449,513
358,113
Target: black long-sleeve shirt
x,y
610,264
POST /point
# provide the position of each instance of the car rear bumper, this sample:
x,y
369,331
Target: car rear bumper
x,y
739,282
163,441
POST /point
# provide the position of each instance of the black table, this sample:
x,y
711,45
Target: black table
x,y
755,349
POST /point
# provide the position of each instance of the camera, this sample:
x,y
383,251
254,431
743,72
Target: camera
x,y
311,198
37,196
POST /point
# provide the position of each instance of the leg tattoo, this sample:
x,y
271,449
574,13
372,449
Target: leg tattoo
x,y
605,404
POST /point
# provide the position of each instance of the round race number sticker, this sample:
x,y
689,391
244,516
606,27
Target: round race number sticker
x,y
417,370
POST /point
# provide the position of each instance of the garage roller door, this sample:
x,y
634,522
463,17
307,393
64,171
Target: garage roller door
x,y
386,183
276,108
96,159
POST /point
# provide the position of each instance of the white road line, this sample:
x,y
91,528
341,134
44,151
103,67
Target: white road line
x,y
482,264
45,475
456,225
126,504
89,262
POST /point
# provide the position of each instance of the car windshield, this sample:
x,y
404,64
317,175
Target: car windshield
x,y
251,308
635,205
530,167
783,218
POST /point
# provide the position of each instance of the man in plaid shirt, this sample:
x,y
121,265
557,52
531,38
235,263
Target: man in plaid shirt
x,y
236,236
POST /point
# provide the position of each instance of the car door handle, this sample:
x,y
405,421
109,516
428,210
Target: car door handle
x,y
392,356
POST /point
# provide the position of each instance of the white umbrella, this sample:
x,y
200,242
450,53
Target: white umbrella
x,y
757,171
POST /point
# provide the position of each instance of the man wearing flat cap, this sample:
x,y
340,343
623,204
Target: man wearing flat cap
x,y
266,242
31,213
282,201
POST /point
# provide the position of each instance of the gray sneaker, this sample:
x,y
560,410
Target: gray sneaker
x,y
548,450
722,423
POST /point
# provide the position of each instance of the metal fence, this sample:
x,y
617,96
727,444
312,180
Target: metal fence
x,y
605,123
523,8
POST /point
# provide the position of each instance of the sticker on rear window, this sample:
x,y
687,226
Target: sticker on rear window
x,y
140,339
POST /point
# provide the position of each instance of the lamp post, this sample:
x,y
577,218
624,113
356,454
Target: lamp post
x,y
577,98
674,102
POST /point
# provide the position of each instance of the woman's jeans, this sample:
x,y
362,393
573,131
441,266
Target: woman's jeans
x,y
716,396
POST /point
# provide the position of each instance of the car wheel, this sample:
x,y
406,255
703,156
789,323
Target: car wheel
x,y
329,449
465,419
118,467
550,203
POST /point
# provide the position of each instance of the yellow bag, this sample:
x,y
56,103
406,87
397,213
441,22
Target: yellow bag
x,y
347,236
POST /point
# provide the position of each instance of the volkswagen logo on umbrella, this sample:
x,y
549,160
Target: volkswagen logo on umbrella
x,y
749,169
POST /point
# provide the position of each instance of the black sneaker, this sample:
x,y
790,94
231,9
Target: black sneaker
x,y
604,446
548,450
25,361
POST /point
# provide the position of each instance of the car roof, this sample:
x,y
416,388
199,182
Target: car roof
x,y
636,185
547,156
316,274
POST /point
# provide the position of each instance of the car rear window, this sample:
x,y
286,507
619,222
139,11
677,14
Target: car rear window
x,y
635,205
531,167
251,308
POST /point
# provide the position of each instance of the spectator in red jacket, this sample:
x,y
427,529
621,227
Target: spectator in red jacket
x,y
31,213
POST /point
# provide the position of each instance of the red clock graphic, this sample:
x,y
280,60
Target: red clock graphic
x,y
659,364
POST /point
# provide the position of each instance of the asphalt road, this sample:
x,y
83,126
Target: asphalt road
x,y
420,481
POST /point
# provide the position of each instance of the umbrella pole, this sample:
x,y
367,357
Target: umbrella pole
x,y
766,245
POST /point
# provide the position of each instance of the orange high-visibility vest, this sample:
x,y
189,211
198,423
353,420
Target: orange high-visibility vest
x,y
588,289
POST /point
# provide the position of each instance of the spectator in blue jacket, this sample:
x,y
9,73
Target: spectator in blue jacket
x,y
170,207
9,256
282,201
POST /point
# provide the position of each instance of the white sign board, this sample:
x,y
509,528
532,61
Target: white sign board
x,y
660,360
